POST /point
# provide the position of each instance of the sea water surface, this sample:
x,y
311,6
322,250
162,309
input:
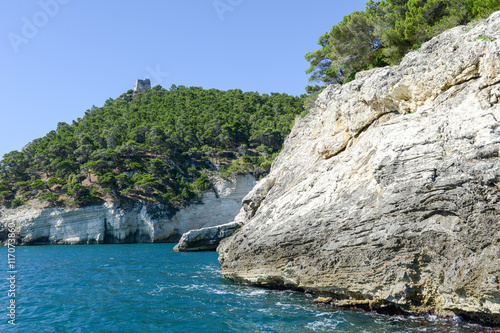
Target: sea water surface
x,y
151,288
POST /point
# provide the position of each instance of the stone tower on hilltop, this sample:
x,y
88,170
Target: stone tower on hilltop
x,y
142,85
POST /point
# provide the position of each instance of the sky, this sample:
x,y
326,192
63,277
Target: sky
x,y
61,57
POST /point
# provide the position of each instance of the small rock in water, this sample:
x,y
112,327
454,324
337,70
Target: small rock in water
x,y
326,300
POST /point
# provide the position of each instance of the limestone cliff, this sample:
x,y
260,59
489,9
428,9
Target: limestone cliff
x,y
110,223
386,195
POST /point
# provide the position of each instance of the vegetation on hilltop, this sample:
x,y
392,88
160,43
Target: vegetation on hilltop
x,y
161,145
383,33
164,145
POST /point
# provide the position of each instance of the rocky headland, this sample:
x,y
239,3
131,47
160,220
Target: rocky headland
x,y
112,222
386,195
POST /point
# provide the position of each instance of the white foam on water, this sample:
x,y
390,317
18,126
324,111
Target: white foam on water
x,y
207,288
194,286
256,292
283,305
219,291
322,325
213,270
157,290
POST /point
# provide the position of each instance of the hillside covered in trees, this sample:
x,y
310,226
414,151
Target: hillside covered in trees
x,y
161,145
165,145
383,33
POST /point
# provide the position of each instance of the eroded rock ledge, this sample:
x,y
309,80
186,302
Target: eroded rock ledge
x,y
387,194
205,239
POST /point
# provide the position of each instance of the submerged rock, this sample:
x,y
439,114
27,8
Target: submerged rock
x,y
387,194
111,223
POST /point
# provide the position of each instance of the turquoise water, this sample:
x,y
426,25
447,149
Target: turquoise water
x,y
151,288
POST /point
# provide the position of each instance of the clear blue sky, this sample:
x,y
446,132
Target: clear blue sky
x,y
60,57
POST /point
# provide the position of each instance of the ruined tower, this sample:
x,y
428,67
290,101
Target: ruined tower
x,y
142,85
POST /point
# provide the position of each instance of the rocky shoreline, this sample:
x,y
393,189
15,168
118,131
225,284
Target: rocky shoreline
x,y
111,223
385,198
387,194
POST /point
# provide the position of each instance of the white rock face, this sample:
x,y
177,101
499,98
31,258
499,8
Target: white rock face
x,y
111,224
387,195
220,207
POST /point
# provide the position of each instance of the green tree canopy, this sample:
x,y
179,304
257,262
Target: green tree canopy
x,y
383,33
161,145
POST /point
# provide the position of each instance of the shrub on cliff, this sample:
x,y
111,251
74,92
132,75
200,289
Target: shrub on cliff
x,y
383,33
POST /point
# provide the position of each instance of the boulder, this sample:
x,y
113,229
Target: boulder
x,y
205,239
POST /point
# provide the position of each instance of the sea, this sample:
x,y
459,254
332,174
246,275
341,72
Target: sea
x,y
150,288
